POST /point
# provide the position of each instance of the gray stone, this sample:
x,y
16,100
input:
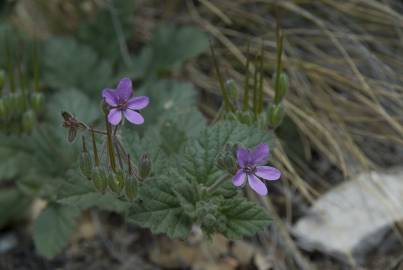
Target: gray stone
x,y
353,218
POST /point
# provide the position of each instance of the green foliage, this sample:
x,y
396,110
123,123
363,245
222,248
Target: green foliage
x,y
103,31
75,191
241,218
179,196
72,100
68,64
180,191
170,47
13,205
198,162
53,228
159,209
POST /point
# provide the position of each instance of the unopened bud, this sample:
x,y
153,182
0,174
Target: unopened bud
x,y
28,120
85,162
116,182
282,87
131,187
275,115
37,101
145,166
100,179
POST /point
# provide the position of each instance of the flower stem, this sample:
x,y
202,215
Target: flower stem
x,y
111,152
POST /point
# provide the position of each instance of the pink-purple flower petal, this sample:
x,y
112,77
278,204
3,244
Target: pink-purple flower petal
x,y
138,103
258,186
109,95
242,156
268,173
239,178
260,154
114,116
124,89
134,117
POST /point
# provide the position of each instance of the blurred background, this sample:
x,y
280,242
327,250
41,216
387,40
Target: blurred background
x,y
340,147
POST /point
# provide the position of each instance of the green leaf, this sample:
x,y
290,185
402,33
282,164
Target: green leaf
x,y
12,163
240,217
77,191
53,228
67,64
169,48
13,205
75,102
159,209
112,22
198,163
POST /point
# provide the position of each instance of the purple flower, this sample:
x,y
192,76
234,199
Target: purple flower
x,y
251,166
121,103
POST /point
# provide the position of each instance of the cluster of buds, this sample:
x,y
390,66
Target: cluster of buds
x,y
19,107
122,178
21,101
249,107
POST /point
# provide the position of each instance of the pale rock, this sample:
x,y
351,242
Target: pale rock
x,y
353,218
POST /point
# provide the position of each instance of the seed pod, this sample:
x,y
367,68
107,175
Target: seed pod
x,y
37,101
131,187
2,109
116,182
72,134
86,164
145,166
275,115
19,102
282,87
100,179
28,120
9,104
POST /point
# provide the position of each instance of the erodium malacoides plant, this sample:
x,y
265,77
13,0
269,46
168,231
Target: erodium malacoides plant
x,y
174,174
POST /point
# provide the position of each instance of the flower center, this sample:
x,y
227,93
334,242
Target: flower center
x,y
249,169
122,105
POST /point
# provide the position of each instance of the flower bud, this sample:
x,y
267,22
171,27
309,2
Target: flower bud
x,y
145,166
116,182
282,88
37,101
100,179
131,187
28,120
275,115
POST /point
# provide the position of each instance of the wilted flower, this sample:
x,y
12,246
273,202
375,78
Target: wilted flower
x,y
121,103
251,166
